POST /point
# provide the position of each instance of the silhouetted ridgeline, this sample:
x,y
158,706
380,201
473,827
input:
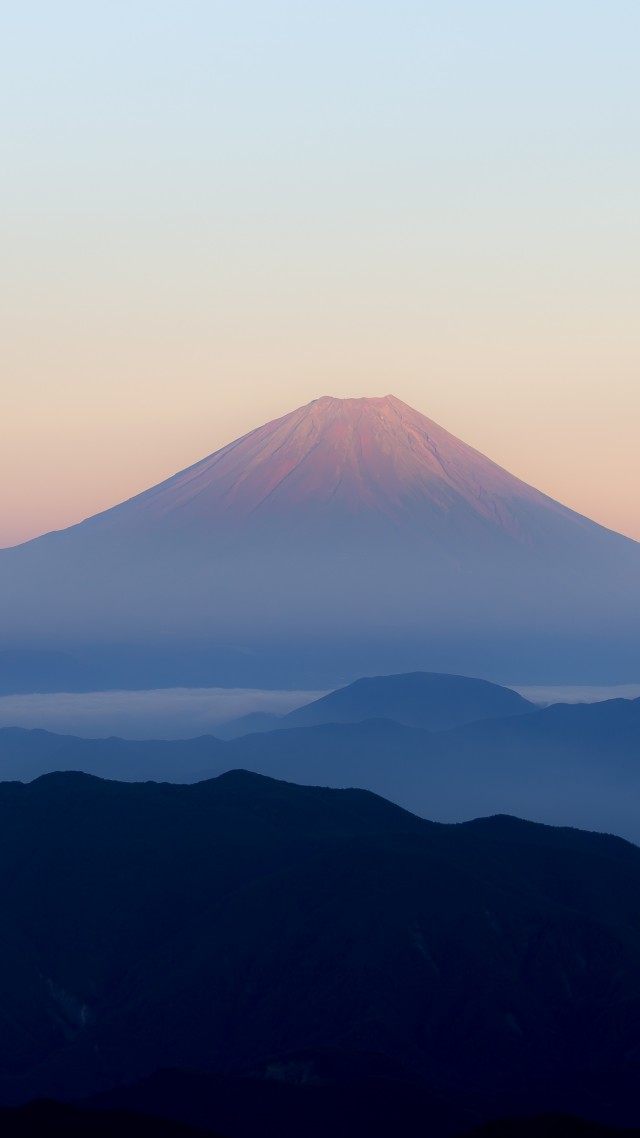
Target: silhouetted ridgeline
x,y
313,941
567,764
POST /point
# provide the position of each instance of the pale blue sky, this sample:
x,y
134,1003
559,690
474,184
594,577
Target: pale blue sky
x,y
214,212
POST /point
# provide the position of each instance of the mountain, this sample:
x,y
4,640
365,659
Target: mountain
x,y
249,724
246,928
349,536
568,764
571,764
420,699
25,755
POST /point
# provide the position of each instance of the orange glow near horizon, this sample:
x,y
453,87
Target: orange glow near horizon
x,y
202,233
70,474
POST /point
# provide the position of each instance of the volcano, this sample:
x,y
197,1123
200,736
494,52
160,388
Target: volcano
x,y
373,462
349,536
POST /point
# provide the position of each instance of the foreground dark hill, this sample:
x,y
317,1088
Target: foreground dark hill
x,y
349,536
548,1126
248,927
255,1112
46,1119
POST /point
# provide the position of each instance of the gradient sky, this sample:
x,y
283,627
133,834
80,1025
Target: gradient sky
x,y
213,212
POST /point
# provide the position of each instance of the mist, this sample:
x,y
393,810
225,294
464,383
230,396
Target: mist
x,y
170,713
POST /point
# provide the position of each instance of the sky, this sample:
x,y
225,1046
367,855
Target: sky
x,y
214,211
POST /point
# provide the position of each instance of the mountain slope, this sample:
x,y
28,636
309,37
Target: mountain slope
x,y
349,536
360,457
421,699
567,764
243,925
25,755
373,462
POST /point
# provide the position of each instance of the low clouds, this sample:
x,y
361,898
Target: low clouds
x,y
184,713
172,713
578,693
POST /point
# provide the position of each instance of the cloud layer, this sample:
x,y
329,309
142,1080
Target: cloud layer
x,y
173,713
184,713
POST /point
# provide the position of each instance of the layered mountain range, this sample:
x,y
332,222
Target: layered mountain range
x,y
449,748
351,535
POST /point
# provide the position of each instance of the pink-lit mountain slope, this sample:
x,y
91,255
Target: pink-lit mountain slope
x,y
355,532
368,461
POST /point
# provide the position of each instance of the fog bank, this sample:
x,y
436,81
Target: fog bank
x,y
171,713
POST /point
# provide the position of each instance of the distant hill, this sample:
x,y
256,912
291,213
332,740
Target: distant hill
x,y
249,724
575,764
27,754
420,699
567,764
249,927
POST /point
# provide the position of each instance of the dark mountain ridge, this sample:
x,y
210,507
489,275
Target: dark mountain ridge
x,y
573,764
236,925
576,764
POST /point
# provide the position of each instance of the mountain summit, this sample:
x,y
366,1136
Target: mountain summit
x,y
336,459
349,536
